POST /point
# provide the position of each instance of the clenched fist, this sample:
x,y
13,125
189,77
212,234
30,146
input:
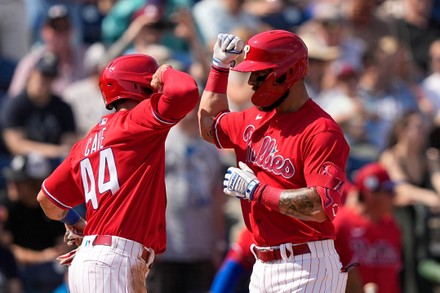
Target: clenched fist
x,y
227,49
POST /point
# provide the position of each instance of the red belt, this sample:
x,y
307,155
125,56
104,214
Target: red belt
x,y
269,254
107,241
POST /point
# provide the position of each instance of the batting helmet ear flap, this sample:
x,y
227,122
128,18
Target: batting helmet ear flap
x,y
278,82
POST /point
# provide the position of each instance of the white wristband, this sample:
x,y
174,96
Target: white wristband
x,y
219,63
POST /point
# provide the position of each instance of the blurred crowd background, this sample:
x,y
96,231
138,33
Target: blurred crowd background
x,y
374,67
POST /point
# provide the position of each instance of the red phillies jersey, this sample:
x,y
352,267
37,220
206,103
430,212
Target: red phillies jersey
x,y
118,168
375,246
285,151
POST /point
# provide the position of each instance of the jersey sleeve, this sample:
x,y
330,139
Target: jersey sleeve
x,y
180,95
225,129
324,168
61,188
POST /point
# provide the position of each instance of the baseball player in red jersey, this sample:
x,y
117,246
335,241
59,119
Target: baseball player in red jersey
x,y
367,233
118,171
291,158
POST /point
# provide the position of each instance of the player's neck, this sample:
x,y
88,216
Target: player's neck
x,y
126,105
297,97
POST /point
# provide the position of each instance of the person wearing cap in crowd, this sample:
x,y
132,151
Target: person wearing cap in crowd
x,y
56,36
217,16
330,27
35,240
341,100
320,57
143,36
36,11
368,239
37,120
153,32
118,18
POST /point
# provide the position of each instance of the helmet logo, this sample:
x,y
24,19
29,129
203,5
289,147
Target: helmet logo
x,y
246,50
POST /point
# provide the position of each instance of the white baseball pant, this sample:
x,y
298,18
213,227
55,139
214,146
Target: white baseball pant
x,y
112,266
319,271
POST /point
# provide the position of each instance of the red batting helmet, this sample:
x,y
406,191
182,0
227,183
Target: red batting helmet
x,y
283,52
127,77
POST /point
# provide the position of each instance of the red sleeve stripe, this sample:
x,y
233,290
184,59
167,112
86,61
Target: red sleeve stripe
x,y
53,199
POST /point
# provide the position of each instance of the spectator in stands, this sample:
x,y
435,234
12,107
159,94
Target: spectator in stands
x,y
417,193
14,34
14,39
35,240
117,19
417,29
37,120
320,57
278,14
219,16
84,95
431,83
143,36
57,37
364,22
36,16
384,94
329,25
368,235
341,100
146,34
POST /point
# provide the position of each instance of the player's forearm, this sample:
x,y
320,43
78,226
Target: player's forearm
x,y
210,105
52,211
69,217
214,101
18,144
303,204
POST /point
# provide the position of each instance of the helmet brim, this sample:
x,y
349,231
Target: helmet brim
x,y
251,66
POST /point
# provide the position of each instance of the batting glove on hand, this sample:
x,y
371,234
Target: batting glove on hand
x,y
227,48
72,236
240,182
66,259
